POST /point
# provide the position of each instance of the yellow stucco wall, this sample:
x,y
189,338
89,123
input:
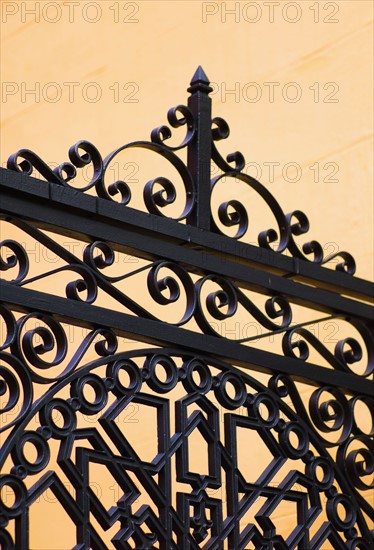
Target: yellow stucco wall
x,y
292,79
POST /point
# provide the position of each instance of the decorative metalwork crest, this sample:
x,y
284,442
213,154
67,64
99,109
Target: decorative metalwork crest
x,y
202,134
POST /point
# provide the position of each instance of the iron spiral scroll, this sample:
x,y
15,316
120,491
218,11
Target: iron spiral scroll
x,y
239,433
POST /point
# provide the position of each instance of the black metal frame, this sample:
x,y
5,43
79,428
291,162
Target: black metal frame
x,y
181,258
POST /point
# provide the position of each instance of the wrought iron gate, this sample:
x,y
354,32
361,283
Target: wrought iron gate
x,y
201,380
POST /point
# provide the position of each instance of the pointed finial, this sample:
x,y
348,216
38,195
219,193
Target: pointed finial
x,y
200,82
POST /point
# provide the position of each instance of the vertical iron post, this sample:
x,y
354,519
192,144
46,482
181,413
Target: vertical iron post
x,y
199,150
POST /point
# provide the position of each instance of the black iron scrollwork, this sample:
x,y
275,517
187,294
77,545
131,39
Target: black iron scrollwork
x,y
348,351
160,192
208,506
26,161
76,399
229,296
169,283
234,213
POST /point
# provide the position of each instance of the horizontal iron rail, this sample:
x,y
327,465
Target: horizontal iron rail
x,y
225,248
67,218
163,334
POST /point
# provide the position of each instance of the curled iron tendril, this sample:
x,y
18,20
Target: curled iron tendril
x,y
166,193
48,336
162,133
157,287
347,351
105,258
237,217
220,131
240,216
25,161
229,296
19,257
300,227
74,288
